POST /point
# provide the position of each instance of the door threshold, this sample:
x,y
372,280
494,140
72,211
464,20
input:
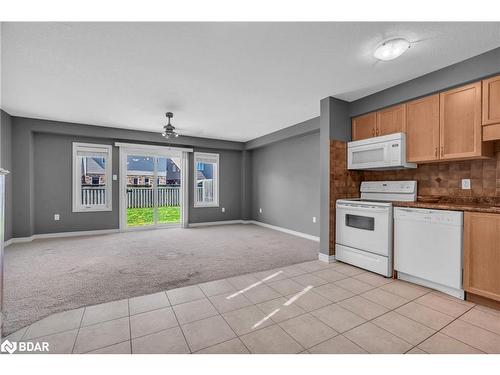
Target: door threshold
x,y
166,226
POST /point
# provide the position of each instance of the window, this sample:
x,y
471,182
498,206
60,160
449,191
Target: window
x,y
206,180
92,182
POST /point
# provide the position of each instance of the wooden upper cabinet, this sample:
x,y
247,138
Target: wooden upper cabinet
x,y
460,122
491,101
422,129
482,254
391,120
364,126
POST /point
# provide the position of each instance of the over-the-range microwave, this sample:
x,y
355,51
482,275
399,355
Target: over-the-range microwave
x,y
384,152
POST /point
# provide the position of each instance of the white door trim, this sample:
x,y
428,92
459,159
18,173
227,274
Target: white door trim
x,y
184,190
152,148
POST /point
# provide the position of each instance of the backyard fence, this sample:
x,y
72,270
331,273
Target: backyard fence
x,y
205,192
143,197
138,197
93,195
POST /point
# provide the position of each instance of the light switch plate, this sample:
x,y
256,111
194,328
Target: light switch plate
x,y
57,217
115,177
314,219
465,184
260,210
223,209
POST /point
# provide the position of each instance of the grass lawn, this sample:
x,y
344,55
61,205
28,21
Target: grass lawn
x,y
144,216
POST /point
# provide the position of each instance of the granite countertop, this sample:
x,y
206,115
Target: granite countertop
x,y
487,205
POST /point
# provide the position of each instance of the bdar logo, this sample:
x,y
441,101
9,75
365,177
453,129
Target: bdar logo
x,y
8,347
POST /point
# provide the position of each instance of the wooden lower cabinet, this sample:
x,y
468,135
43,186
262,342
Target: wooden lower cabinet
x,y
482,254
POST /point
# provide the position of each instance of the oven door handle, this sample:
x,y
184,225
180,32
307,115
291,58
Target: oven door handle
x,y
363,209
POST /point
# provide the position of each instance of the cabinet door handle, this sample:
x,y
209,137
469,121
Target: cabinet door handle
x,y
442,151
373,132
436,152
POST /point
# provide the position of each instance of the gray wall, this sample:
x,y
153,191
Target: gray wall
x,y
229,189
302,128
53,187
42,155
246,185
335,123
6,163
285,183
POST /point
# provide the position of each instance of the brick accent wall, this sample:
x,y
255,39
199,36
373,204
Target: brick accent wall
x,y
343,183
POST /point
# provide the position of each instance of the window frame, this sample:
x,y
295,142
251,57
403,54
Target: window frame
x,y
216,160
77,181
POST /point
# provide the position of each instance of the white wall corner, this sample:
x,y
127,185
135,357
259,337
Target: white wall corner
x,y
326,258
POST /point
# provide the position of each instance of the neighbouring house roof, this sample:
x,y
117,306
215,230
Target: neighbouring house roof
x,y
144,166
201,175
95,165
205,173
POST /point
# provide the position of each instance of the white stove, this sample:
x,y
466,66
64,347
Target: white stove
x,y
364,226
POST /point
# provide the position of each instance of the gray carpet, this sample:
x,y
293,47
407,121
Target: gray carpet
x,y
52,275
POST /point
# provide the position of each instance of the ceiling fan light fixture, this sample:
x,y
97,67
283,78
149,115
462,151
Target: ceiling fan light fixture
x,y
391,49
169,129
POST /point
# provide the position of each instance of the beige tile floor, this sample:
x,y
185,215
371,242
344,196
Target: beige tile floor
x,y
310,307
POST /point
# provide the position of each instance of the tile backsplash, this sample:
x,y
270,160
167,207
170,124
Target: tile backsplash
x,y
343,183
444,179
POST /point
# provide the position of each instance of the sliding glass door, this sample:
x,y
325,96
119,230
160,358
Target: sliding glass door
x,y
153,190
169,190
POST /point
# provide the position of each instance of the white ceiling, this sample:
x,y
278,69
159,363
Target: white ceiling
x,y
233,81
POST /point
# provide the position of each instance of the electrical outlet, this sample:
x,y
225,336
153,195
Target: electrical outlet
x,y
57,217
314,219
260,210
115,177
223,209
465,184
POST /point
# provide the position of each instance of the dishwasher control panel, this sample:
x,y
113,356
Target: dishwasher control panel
x,y
433,216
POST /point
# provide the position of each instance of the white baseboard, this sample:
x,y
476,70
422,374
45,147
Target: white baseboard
x,y
285,230
281,229
60,235
326,258
210,223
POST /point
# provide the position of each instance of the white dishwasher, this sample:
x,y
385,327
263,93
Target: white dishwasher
x,y
428,248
